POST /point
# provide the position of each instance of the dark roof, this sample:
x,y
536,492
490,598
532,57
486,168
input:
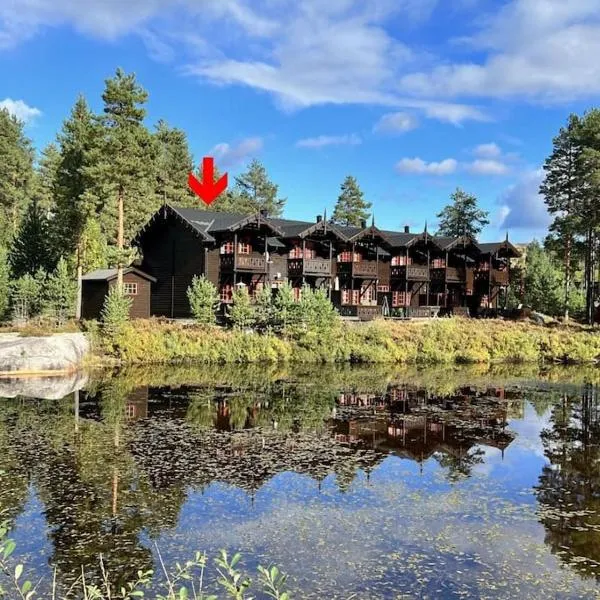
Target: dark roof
x,y
207,222
110,274
493,247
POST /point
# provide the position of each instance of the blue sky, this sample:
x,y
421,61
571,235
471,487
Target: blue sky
x,y
413,97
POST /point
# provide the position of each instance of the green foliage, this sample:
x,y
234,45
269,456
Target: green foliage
x,y
31,249
285,312
16,173
462,217
241,313
26,295
115,312
264,309
174,164
351,207
317,311
4,283
253,191
60,292
204,300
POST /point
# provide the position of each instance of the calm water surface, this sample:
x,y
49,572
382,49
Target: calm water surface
x,y
359,483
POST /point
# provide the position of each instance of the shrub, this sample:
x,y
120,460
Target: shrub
x,y
285,313
59,293
264,309
115,312
25,296
204,300
241,313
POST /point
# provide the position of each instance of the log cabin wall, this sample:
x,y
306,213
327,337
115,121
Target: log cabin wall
x,y
173,254
93,294
140,306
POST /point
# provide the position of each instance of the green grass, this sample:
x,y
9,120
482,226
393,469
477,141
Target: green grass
x,y
443,341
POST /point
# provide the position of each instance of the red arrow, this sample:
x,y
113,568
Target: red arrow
x,y
208,189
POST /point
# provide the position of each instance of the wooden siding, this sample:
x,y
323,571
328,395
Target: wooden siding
x,y
94,293
140,307
173,254
92,298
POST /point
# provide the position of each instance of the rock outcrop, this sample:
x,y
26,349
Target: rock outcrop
x,y
60,353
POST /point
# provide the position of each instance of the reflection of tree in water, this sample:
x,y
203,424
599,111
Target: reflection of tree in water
x,y
569,487
459,463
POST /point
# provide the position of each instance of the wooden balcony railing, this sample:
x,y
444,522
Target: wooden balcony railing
x,y
364,269
455,275
243,262
309,266
411,272
499,277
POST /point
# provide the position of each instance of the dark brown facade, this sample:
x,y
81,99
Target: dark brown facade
x,y
136,284
365,271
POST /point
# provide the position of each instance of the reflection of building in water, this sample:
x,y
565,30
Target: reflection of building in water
x,y
419,424
136,406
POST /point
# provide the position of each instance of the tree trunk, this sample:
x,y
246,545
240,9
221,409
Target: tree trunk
x,y
79,283
120,242
567,276
589,278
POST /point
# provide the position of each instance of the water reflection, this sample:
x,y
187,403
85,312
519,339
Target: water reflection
x,y
122,464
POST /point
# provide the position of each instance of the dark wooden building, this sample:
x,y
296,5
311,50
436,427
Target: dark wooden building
x,y
95,287
366,271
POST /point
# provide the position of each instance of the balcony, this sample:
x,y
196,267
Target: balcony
x,y
317,267
242,262
411,272
454,275
364,269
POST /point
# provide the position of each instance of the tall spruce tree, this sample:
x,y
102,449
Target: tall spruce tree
x,y
174,163
253,191
124,165
462,217
46,179
16,173
351,208
562,190
31,250
80,141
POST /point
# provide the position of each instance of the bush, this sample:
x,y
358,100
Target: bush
x,y
115,312
204,300
264,309
59,293
242,313
285,313
26,296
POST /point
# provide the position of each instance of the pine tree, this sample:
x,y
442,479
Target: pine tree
x,y
351,209
31,249
124,166
60,292
46,180
562,190
16,173
4,283
241,312
253,191
203,297
174,164
462,217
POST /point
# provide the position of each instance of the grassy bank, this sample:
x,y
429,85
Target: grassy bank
x,y
430,342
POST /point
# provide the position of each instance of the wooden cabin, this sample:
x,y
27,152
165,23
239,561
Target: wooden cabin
x,y
366,271
96,285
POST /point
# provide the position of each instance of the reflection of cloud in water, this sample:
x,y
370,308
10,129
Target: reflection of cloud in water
x,y
383,536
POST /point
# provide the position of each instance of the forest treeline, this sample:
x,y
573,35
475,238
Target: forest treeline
x,y
59,208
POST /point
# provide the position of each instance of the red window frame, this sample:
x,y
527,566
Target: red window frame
x,y
228,247
226,293
244,247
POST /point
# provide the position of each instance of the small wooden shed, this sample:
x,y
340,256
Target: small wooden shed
x,y
95,287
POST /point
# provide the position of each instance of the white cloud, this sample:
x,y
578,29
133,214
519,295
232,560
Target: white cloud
x,y
491,150
522,206
398,122
230,155
538,49
417,166
20,109
487,167
329,140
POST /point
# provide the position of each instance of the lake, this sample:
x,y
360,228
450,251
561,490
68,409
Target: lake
x,y
358,483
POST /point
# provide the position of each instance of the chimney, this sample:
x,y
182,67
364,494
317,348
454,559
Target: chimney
x,y
363,223
264,212
406,229
319,218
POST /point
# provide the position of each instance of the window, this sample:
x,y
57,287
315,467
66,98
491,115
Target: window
x,y
368,295
130,289
383,288
438,263
130,411
401,299
297,293
227,248
345,256
350,297
244,247
226,293
296,252
400,261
